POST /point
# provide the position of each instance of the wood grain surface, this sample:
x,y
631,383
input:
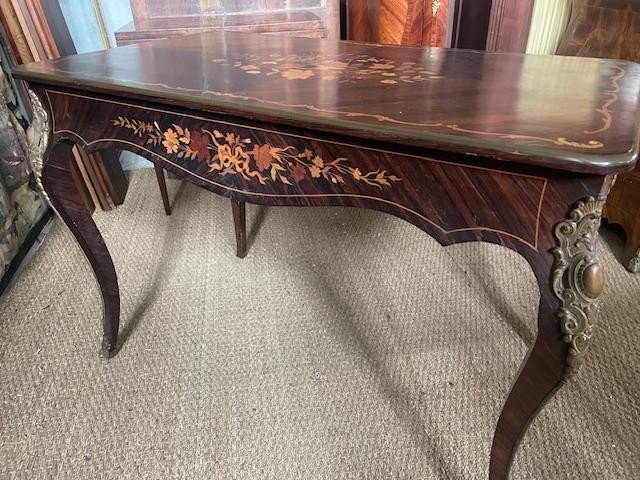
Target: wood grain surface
x,y
509,25
399,22
583,119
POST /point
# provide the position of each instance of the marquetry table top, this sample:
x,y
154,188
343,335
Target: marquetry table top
x,y
568,113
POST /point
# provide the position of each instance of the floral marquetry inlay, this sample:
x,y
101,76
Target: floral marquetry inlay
x,y
341,68
230,154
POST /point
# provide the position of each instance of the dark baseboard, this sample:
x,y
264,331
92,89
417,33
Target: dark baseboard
x,y
23,252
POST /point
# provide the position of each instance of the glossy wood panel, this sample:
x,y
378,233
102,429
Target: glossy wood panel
x,y
399,22
509,25
427,98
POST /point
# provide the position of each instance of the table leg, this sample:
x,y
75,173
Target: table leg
x,y
65,198
570,284
162,184
541,374
240,225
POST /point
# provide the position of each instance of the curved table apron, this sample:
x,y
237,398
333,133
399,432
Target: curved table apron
x,y
549,217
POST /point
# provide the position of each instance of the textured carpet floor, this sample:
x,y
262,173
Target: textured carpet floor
x,y
348,344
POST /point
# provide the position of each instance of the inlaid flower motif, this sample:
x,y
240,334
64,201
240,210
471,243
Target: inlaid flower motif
x,y
170,141
383,66
332,65
315,171
338,67
262,156
200,145
297,74
230,154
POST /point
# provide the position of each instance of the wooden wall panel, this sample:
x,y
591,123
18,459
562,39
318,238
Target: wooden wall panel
x,y
509,25
358,24
399,22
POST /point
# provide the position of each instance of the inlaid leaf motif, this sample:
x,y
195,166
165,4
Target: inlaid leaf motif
x,y
230,154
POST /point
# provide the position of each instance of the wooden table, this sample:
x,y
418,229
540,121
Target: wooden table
x,y
515,150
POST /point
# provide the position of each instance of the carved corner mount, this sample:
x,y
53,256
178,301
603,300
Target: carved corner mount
x,y
578,276
38,137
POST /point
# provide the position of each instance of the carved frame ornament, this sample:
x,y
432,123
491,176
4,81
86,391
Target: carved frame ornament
x,y
38,137
578,276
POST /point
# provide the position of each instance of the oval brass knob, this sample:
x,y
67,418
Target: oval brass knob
x,y
593,279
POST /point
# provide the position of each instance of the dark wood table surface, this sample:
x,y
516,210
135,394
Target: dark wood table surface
x,y
516,150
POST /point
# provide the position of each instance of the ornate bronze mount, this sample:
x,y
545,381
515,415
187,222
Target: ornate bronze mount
x,y
578,276
38,136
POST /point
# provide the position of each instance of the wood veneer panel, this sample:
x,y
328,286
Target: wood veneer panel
x,y
398,94
398,22
509,25
27,28
42,28
16,37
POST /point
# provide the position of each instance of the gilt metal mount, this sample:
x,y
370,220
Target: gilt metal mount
x,y
578,276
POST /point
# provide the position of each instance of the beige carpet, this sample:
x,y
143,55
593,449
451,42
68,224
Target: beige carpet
x,y
348,344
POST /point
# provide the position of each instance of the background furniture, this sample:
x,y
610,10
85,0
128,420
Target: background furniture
x,y
611,29
443,23
154,19
399,22
299,23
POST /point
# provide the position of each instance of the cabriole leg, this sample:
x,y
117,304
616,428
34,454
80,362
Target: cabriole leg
x,y
64,196
570,284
